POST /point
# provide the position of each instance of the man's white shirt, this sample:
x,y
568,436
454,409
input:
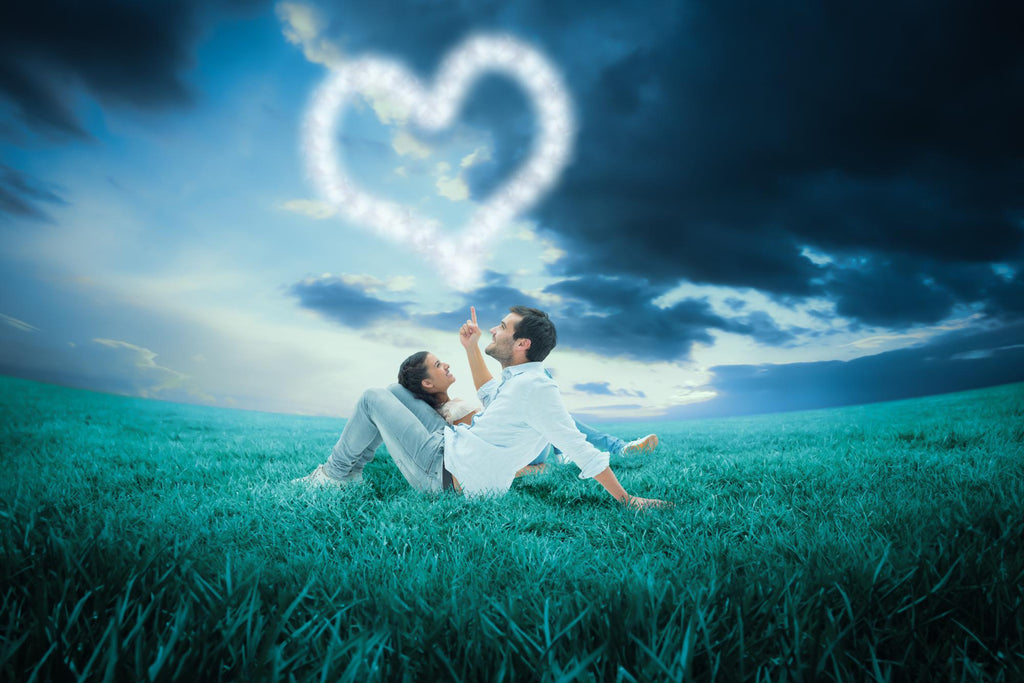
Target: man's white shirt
x,y
522,414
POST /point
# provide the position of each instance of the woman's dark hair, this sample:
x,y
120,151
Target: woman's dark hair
x,y
411,374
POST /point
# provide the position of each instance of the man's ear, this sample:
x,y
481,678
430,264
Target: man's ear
x,y
523,343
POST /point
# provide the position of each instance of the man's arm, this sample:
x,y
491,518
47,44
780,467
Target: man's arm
x,y
611,484
469,336
548,415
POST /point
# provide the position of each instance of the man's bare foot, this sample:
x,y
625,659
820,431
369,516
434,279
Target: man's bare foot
x,y
647,503
645,445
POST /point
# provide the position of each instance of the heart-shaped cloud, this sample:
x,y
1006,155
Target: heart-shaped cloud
x,y
461,255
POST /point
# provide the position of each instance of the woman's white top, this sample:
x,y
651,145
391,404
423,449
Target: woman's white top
x,y
455,409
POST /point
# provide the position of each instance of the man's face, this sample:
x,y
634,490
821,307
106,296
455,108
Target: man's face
x,y
500,348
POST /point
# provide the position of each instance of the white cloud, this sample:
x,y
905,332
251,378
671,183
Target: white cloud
x,y
144,358
453,188
309,207
390,110
524,233
302,25
401,283
548,299
1005,271
875,343
18,324
551,254
437,107
151,377
475,157
406,145
370,284
816,257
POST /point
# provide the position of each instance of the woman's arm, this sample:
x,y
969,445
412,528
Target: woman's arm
x,y
465,419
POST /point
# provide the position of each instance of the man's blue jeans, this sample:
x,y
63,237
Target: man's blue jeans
x,y
600,440
411,429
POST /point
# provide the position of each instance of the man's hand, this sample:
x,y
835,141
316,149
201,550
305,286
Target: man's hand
x,y
469,333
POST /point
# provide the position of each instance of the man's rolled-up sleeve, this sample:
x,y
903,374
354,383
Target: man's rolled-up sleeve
x,y
487,392
546,413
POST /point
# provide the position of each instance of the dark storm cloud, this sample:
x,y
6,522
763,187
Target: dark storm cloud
x,y
21,194
889,292
120,52
899,291
954,362
348,304
616,316
491,301
717,140
1005,295
858,130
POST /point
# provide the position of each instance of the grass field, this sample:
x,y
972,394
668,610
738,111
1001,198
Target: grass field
x,y
155,541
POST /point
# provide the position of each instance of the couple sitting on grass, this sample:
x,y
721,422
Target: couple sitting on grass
x,y
440,443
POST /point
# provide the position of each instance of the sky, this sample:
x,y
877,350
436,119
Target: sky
x,y
758,206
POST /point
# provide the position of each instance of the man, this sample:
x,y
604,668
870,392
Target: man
x,y
523,412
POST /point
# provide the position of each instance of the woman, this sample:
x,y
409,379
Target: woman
x,y
428,379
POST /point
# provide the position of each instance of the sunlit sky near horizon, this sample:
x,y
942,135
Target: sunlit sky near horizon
x,y
768,207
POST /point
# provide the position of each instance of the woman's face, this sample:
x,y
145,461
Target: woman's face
x,y
439,377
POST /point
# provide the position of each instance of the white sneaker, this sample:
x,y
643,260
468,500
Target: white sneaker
x,y
645,445
318,479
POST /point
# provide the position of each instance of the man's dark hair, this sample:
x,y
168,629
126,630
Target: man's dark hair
x,y
538,328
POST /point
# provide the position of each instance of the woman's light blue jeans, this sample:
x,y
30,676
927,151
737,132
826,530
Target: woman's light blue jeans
x,y
410,428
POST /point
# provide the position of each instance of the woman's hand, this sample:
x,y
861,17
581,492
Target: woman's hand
x,y
469,333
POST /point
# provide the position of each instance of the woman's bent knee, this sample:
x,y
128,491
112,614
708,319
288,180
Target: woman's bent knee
x,y
373,395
